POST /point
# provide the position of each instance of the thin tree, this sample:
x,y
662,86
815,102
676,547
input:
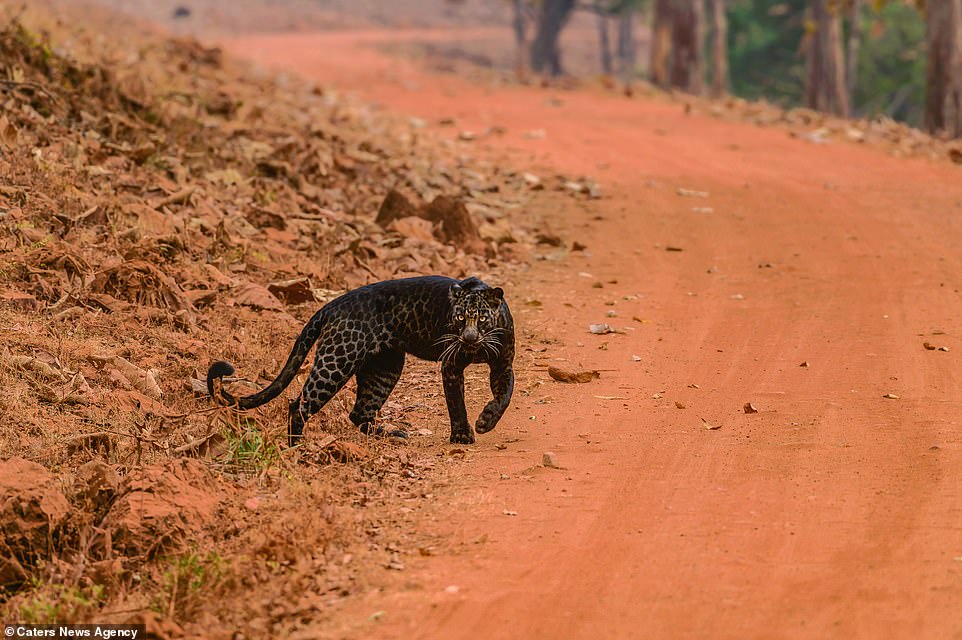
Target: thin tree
x,y
520,40
604,43
943,78
851,55
677,49
719,21
627,52
825,77
552,18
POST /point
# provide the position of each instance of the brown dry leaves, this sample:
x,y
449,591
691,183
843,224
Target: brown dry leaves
x,y
155,200
572,376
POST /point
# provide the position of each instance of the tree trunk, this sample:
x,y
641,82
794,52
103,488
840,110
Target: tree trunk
x,y
677,51
660,49
943,78
520,40
719,81
627,55
825,77
545,55
854,40
603,41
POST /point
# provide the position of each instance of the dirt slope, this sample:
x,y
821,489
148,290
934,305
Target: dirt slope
x,y
832,512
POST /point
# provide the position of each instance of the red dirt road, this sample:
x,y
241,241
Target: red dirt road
x,y
832,512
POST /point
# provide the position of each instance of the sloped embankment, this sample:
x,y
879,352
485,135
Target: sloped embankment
x,y
161,206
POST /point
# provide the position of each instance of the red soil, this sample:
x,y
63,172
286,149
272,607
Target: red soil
x,y
832,512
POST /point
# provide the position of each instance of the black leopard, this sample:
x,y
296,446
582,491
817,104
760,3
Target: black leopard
x,y
368,331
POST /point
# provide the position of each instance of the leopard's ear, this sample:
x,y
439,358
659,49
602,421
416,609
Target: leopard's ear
x,y
455,290
496,294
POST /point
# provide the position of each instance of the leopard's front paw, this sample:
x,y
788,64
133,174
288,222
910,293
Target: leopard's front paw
x,y
488,419
485,423
462,437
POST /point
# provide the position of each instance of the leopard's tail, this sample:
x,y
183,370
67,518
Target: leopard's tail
x,y
302,346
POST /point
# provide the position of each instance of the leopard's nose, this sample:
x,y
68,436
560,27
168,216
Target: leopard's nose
x,y
470,335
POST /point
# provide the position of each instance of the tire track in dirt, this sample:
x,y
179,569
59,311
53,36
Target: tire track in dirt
x,y
827,514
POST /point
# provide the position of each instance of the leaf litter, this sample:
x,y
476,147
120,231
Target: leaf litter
x,y
162,206
573,376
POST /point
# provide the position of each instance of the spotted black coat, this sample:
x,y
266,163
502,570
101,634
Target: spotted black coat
x,y
367,332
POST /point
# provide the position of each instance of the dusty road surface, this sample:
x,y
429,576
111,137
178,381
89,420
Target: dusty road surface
x,y
805,283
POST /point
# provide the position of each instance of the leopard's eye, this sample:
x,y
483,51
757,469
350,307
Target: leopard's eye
x,y
460,318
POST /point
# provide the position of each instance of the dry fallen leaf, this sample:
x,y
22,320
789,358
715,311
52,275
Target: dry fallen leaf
x,y
257,297
296,291
28,363
709,426
414,227
572,376
142,381
691,193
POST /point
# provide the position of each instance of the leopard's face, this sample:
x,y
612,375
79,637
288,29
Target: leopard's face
x,y
475,319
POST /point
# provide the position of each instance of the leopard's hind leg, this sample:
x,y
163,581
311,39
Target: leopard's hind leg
x,y
328,375
376,379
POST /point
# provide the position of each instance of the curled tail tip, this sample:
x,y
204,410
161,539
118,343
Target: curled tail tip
x,y
218,370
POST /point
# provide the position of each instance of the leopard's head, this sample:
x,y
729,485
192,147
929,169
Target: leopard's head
x,y
475,317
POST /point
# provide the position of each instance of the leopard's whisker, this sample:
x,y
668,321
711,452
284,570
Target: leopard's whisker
x,y
489,340
451,350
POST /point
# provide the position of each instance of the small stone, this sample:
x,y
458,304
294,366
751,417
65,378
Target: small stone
x,y
600,328
549,461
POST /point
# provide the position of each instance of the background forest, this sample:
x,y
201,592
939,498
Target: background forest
x,y
900,59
